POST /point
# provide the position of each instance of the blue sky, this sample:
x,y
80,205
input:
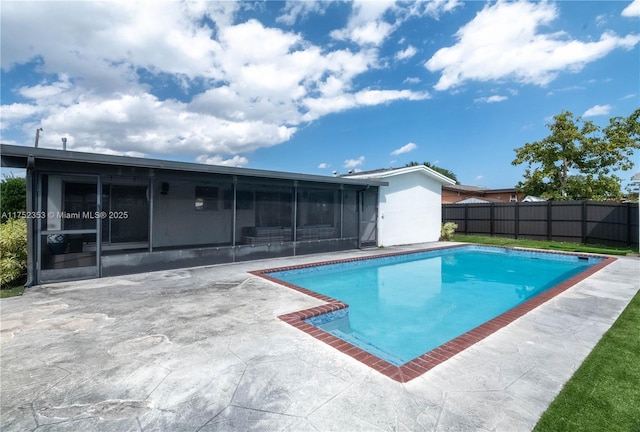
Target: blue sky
x,y
316,87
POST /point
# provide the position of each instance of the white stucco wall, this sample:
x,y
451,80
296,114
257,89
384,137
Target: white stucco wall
x,y
410,209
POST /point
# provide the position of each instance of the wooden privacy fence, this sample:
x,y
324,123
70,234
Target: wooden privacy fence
x,y
588,222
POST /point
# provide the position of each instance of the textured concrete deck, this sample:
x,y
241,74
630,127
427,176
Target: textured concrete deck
x,y
202,349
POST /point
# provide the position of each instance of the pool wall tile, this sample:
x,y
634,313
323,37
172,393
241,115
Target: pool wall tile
x,y
431,359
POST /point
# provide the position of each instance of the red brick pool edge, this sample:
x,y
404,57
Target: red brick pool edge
x,y
428,360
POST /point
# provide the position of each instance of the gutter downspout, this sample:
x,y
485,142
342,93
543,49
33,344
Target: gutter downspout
x,y
31,228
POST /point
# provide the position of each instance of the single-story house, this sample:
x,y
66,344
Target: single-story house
x,y
409,204
93,215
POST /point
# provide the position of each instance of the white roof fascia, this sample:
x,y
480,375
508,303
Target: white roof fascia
x,y
417,168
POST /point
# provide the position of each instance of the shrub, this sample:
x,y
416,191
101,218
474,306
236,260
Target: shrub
x,y
447,230
13,194
13,251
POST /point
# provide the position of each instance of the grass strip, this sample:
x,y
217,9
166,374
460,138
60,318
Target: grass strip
x,y
11,292
542,244
604,393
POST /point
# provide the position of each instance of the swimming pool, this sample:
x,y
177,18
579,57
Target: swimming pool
x,y
404,313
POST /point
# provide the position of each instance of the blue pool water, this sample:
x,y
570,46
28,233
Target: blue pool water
x,y
403,306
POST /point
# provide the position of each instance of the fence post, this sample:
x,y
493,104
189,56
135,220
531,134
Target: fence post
x,y
516,217
628,224
549,219
584,222
492,216
466,219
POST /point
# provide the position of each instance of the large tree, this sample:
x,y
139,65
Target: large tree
x,y
577,159
445,172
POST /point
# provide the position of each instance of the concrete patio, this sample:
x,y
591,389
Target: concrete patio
x,y
202,349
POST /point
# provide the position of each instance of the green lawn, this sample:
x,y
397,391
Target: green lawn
x,y
540,244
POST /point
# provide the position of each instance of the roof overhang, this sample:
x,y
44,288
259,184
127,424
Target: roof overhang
x,y
20,156
406,170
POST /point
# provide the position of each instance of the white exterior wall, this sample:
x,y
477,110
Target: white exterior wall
x,y
410,209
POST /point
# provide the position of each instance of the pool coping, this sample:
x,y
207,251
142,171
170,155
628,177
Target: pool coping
x,y
427,361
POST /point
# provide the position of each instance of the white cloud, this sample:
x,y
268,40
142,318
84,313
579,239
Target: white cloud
x,y
404,149
245,85
407,53
369,33
101,149
601,20
371,22
633,10
435,8
318,107
16,113
366,24
377,97
432,8
491,99
324,165
236,161
503,42
352,163
45,90
411,80
297,10
146,124
597,110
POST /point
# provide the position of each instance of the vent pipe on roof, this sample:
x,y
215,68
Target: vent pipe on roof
x,y
64,143
38,136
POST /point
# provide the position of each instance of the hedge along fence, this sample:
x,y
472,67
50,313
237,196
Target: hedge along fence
x,y
588,222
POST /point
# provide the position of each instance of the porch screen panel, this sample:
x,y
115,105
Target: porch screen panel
x,y
350,213
264,214
79,204
318,214
192,213
129,214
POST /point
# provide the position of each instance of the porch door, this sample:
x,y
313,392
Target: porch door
x,y
69,237
369,217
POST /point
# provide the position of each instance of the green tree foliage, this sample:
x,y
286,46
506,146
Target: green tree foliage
x,y
13,251
577,159
13,195
443,171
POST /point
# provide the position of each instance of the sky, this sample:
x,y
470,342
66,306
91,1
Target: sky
x,y
316,87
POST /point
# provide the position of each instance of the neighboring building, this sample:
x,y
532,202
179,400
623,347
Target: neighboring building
x,y
409,209
531,198
92,215
452,194
477,200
